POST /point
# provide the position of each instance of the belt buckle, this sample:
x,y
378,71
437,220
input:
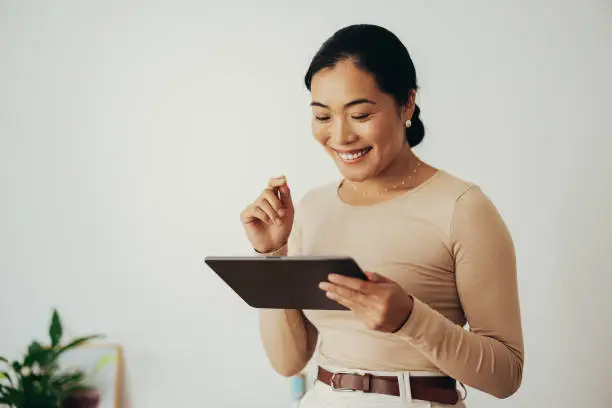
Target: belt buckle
x,y
333,385
363,375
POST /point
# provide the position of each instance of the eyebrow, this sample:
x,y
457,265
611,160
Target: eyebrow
x,y
348,105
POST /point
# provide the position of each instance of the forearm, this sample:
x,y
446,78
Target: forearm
x,y
476,360
288,339
490,356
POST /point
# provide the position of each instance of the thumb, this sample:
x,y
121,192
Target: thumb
x,y
285,195
374,277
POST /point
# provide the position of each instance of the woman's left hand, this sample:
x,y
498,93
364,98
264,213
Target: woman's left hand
x,y
379,302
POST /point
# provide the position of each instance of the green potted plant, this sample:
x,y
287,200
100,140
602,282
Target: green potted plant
x,y
37,381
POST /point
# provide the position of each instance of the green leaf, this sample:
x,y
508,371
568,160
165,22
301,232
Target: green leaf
x,y
74,377
34,347
8,393
55,329
4,360
5,376
77,342
37,353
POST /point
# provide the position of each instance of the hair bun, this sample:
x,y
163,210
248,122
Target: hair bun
x,y
416,132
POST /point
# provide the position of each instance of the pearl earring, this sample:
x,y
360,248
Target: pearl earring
x,y
408,123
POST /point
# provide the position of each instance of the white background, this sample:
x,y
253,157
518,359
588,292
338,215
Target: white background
x,y
133,134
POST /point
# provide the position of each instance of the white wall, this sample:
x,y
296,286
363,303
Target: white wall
x,y
132,135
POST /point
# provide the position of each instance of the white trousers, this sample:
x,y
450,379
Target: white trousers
x,y
322,395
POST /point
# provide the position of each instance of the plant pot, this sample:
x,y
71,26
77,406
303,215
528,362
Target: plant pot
x,y
82,399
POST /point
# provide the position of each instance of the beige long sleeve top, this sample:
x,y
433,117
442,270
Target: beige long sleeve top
x,y
446,244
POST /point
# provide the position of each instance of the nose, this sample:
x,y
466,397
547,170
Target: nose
x,y
341,133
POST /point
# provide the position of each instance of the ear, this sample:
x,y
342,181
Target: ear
x,y
409,108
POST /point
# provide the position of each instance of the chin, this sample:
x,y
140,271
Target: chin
x,y
354,175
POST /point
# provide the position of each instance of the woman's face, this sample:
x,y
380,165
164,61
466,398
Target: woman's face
x,y
361,127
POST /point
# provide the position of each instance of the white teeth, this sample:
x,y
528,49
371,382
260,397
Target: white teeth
x,y
352,156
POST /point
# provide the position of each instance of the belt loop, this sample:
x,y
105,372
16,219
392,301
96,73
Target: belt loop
x,y
367,382
403,380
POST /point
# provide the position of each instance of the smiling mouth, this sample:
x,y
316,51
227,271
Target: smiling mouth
x,y
353,156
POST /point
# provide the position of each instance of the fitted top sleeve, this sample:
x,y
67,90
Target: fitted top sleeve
x,y
489,356
289,339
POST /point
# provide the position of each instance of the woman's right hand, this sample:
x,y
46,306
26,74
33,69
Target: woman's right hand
x,y
269,219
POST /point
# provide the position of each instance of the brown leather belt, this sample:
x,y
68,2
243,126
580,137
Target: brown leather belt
x,y
440,389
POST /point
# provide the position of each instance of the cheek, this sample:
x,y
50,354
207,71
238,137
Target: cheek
x,y
320,131
374,132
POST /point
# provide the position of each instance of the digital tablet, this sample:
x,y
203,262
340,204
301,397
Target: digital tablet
x,y
284,282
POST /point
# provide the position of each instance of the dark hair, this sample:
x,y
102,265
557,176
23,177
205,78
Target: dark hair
x,y
378,51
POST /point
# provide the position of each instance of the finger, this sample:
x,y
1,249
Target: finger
x,y
254,213
285,196
276,182
343,292
274,201
354,307
268,209
374,277
344,302
280,188
352,283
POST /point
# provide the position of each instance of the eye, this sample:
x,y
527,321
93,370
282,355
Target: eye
x,y
361,116
322,118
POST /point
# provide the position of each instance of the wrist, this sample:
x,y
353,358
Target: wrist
x,y
270,251
407,315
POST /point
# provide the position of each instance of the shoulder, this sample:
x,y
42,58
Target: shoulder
x,y
451,187
467,196
457,192
437,197
447,197
473,211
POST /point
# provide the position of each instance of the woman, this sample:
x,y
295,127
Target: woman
x,y
437,252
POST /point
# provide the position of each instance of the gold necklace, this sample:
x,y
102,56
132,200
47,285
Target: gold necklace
x,y
401,183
